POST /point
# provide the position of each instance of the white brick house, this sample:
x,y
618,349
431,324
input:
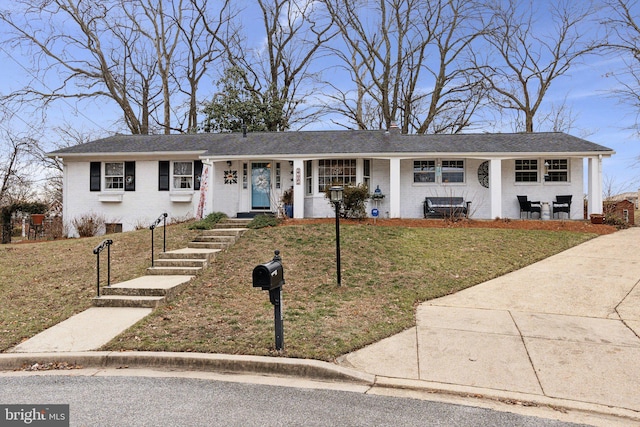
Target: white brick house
x,y
132,179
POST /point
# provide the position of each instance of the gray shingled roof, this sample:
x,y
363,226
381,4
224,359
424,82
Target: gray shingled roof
x,y
336,142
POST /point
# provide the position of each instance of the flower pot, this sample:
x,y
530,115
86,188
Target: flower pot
x,y
597,219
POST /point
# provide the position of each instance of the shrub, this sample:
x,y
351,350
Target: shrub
x,y
88,225
208,222
616,221
353,205
261,221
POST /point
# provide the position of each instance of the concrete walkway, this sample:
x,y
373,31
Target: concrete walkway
x,y
563,331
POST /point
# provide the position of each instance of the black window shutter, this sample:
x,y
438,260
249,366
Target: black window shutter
x,y
163,175
197,174
129,176
94,176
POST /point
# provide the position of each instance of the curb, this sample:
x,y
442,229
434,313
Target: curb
x,y
221,363
297,368
507,397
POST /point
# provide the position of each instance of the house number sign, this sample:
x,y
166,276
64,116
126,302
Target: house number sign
x,y
298,176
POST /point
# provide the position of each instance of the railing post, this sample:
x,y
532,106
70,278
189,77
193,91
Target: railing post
x,y
96,251
98,272
152,257
162,218
164,232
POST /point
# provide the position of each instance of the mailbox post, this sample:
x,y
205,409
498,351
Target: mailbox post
x,y
270,277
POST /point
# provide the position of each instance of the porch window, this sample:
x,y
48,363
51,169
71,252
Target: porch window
x,y
308,177
114,176
336,172
526,170
367,173
558,170
453,171
182,175
424,171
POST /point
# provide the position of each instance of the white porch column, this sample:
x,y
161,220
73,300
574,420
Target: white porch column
x,y
298,188
594,178
394,188
495,185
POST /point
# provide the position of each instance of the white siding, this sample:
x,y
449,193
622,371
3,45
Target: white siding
x,y
138,208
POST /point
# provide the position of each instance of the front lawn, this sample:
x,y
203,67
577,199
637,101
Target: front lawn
x,y
386,271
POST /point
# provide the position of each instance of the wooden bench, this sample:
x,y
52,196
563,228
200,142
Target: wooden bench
x,y
443,207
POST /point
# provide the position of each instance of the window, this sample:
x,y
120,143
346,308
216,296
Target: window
x,y
557,170
526,171
308,177
336,172
114,176
367,173
424,171
453,171
182,175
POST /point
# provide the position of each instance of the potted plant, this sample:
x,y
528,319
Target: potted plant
x,y
287,202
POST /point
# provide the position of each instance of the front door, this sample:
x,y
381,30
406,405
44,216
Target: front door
x,y
260,186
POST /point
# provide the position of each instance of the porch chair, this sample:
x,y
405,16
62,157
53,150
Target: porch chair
x,y
529,206
36,224
562,204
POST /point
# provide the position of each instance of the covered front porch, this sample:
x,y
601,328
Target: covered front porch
x,y
490,183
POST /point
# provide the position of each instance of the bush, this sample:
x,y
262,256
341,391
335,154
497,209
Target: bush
x,y
88,225
353,205
616,221
208,222
261,221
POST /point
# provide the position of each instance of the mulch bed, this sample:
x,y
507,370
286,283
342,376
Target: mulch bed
x,y
511,224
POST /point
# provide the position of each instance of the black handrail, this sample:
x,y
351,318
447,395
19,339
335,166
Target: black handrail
x,y
105,243
162,218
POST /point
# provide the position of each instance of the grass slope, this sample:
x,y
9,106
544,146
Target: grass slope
x,y
386,271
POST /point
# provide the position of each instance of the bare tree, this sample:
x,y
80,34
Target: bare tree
x,y
131,52
202,33
410,58
623,24
278,72
526,56
17,153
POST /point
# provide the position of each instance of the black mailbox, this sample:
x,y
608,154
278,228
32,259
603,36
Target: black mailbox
x,y
268,276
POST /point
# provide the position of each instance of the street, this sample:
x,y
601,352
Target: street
x,y
146,401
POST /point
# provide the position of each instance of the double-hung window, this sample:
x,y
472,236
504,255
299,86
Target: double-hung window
x,y
453,171
526,170
557,170
114,176
182,175
424,171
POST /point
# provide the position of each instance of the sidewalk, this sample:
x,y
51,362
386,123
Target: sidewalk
x,y
563,330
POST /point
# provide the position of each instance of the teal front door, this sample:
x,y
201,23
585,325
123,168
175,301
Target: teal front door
x,y
260,186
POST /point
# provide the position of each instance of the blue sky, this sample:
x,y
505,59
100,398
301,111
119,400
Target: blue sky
x,y
599,117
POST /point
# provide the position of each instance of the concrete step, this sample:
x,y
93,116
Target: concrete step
x,y
128,301
233,222
148,286
215,238
190,253
236,232
208,245
173,271
177,262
